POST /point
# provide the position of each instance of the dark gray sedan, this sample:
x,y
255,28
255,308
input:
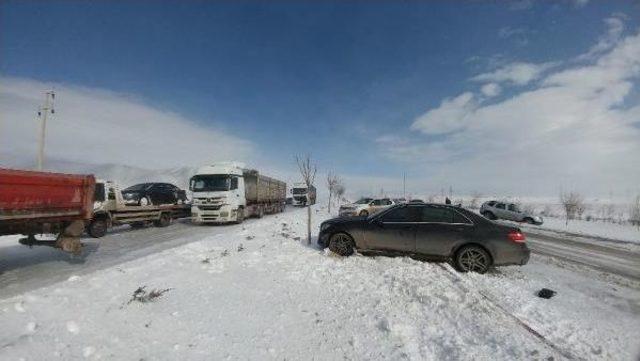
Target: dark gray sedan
x,y
430,231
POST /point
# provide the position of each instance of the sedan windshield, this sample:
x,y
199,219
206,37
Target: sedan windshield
x,y
138,187
363,201
210,183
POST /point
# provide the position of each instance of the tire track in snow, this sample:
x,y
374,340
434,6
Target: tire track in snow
x,y
463,284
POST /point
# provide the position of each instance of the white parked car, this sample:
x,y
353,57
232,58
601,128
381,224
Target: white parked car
x,y
508,211
365,207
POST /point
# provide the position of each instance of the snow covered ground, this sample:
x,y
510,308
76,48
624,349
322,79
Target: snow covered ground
x,y
258,292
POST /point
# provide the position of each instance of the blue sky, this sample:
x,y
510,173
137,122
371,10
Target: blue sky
x,y
344,81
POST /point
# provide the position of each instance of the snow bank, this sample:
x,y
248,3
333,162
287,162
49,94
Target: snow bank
x,y
614,231
259,293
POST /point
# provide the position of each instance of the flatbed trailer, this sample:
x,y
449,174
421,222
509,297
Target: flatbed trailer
x,y
110,210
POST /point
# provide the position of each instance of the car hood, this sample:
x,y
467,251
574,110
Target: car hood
x,y
343,220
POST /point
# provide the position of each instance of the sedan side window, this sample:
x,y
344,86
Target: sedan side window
x,y
402,214
436,215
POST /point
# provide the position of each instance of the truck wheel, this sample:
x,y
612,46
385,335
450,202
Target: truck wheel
x,y
260,212
164,221
240,216
137,225
97,228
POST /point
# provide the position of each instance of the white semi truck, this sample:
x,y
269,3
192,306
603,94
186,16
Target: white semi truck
x,y
302,195
228,192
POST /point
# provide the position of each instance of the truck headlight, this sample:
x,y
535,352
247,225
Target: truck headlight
x,y
224,214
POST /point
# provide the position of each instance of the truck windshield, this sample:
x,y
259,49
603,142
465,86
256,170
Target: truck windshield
x,y
98,195
210,183
299,190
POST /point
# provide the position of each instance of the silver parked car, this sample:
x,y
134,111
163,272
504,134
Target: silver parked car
x,y
508,211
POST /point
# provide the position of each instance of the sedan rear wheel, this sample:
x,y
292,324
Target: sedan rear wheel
x,y
341,244
473,259
144,201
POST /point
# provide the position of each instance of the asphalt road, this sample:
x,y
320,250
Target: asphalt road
x,y
602,255
23,269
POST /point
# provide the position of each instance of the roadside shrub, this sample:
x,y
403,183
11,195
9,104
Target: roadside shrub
x,y
573,205
634,212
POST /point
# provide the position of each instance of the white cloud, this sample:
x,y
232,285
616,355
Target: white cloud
x,y
615,28
491,89
448,117
99,126
515,73
577,128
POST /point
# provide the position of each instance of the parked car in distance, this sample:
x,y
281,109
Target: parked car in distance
x,y
508,211
145,194
430,231
364,207
399,200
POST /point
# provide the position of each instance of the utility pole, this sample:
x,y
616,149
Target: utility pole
x,y
404,185
42,115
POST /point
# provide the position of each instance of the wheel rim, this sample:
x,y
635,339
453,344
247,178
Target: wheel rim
x,y
473,260
342,243
144,201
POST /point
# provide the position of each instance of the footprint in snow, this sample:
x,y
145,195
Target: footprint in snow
x,y
72,327
19,307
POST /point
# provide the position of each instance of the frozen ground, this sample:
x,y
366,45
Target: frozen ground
x,y
256,292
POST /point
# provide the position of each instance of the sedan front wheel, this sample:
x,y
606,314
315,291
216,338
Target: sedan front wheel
x,y
341,244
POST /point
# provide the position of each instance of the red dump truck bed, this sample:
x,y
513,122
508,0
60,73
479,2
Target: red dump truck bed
x,y
42,202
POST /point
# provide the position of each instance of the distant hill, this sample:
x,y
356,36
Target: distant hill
x,y
122,174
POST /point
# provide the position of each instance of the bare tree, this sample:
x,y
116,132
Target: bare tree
x,y
474,203
572,204
308,173
634,212
340,189
332,182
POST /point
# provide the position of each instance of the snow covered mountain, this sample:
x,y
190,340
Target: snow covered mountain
x,y
123,174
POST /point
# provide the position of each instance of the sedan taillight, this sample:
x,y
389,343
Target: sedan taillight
x,y
516,236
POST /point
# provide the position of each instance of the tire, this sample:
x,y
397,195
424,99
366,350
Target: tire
x,y
240,216
489,215
137,225
472,259
260,212
364,214
341,244
145,201
164,221
97,228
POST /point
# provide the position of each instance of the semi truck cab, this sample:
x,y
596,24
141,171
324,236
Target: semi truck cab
x,y
302,195
218,194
